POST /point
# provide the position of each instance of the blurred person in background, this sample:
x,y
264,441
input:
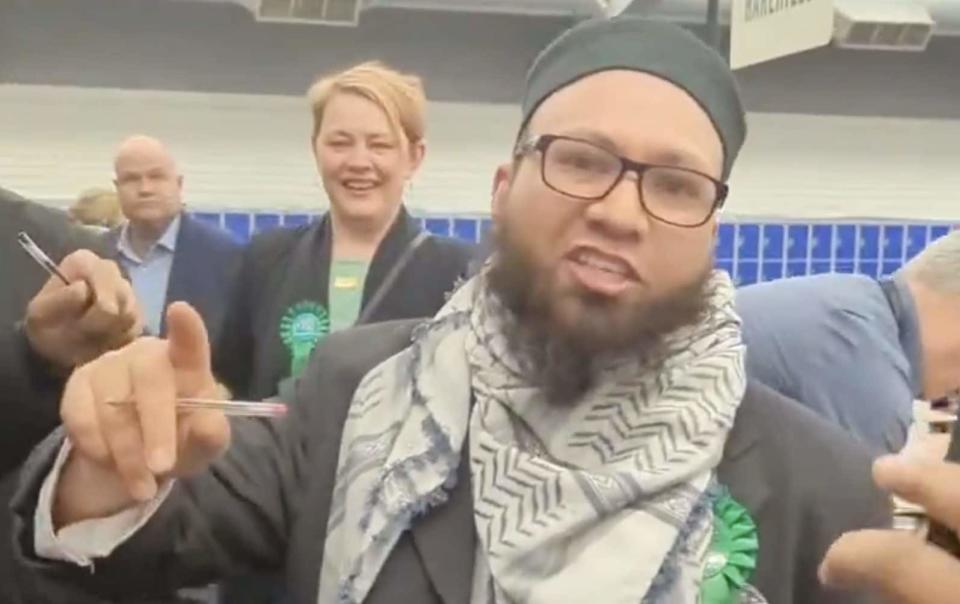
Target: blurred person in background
x,y
168,254
857,350
365,260
98,209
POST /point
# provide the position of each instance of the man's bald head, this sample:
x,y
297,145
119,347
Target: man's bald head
x,y
140,146
148,183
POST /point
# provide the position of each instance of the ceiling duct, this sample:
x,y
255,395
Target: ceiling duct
x,y
944,13
315,12
879,25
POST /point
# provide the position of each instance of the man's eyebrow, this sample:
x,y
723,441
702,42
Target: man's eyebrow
x,y
667,157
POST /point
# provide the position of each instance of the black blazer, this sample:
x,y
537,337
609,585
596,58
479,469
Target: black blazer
x,y
265,503
285,267
205,264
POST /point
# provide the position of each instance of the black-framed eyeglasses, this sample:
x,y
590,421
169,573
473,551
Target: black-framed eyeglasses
x,y
584,170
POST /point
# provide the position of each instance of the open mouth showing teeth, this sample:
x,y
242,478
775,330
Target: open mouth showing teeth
x,y
603,262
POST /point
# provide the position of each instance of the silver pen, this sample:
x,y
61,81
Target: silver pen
x,y
234,408
41,258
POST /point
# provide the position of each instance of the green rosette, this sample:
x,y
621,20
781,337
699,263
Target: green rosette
x,y
732,558
301,327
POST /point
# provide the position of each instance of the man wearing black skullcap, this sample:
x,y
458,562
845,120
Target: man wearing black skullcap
x,y
574,426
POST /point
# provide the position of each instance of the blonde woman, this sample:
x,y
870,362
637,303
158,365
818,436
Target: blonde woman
x,y
366,260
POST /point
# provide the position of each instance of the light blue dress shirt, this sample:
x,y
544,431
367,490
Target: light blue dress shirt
x,y
150,275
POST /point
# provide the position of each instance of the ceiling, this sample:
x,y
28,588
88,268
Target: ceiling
x,y
525,7
522,7
946,13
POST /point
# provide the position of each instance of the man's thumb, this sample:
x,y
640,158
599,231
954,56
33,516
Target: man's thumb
x,y
189,344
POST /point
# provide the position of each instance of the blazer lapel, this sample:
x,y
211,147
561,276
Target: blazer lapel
x,y
742,464
401,232
306,273
446,540
310,265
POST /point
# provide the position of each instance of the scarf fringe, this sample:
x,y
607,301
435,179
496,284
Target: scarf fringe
x,y
438,451
669,573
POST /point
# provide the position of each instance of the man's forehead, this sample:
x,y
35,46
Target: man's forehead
x,y
635,114
143,161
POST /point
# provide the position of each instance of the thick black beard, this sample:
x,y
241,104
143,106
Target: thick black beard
x,y
563,360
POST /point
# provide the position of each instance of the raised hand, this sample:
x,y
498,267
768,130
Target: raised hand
x,y
903,567
122,451
72,324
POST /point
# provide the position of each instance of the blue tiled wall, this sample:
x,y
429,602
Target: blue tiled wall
x,y
750,251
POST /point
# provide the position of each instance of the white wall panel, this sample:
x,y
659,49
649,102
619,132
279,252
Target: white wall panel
x,y
252,152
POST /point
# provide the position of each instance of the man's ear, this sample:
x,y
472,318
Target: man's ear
x,y
501,189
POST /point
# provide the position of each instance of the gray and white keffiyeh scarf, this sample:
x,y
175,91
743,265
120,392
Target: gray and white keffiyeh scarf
x,y
607,497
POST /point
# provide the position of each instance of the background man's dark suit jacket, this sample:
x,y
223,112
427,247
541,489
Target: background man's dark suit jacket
x,y
265,504
205,264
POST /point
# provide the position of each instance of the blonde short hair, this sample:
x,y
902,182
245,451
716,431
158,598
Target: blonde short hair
x,y
400,95
97,207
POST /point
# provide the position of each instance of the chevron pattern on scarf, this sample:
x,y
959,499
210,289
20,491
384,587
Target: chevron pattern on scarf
x,y
559,495
513,493
560,491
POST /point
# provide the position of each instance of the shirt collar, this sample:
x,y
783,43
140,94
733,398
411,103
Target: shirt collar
x,y
905,313
167,241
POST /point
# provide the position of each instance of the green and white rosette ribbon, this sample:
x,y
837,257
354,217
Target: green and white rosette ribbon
x,y
733,553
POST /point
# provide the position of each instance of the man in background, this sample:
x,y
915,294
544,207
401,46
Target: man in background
x,y
168,255
856,350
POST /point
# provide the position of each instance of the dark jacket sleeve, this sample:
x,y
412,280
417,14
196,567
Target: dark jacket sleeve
x,y
234,517
838,496
29,387
30,401
239,515
806,482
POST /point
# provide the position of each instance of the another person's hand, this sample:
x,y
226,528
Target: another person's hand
x,y
122,452
901,566
71,324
